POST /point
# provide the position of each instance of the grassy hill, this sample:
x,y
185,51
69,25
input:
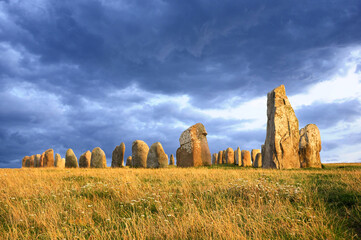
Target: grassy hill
x,y
221,202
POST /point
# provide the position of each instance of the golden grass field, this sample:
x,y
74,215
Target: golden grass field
x,y
221,202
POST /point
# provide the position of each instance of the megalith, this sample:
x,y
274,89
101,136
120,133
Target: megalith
x,y
139,154
194,150
282,139
310,147
118,156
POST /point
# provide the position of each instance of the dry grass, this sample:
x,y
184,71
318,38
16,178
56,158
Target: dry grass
x,y
196,203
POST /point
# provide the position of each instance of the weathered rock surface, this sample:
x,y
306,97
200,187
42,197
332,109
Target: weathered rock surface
x,y
85,159
214,158
129,161
224,157
246,158
57,158
37,160
41,163
156,156
59,162
48,159
24,161
220,157
118,156
71,161
171,160
282,140
254,152
310,147
29,161
229,156
194,150
139,154
258,161
98,158
238,157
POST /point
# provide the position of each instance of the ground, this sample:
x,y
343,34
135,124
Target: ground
x,y
221,202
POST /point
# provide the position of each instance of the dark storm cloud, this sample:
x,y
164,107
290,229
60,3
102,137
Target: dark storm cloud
x,y
189,46
76,54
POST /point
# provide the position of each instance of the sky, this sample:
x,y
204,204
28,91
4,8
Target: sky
x,y
95,73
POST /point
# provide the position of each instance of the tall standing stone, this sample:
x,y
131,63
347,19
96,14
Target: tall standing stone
x,y
220,157
258,161
310,147
139,154
85,159
254,152
229,156
48,158
41,162
71,161
246,158
171,160
224,161
156,156
282,140
214,158
129,161
98,158
194,150
118,156
238,157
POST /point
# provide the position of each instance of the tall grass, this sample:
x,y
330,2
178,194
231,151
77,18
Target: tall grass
x,y
195,203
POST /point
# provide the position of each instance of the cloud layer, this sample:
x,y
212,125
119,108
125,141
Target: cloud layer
x,y
96,73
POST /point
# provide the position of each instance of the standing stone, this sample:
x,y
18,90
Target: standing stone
x,y
71,161
238,157
37,160
282,140
129,161
258,161
29,161
57,158
84,160
59,162
194,150
254,152
230,156
24,161
156,156
310,147
214,158
224,161
32,161
118,156
41,162
139,154
98,158
246,158
48,159
171,160
220,157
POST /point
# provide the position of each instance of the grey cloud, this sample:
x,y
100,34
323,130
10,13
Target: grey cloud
x,y
81,52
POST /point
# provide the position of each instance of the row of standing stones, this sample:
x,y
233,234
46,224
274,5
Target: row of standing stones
x,y
285,147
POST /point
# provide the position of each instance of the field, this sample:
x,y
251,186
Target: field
x,y
221,202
